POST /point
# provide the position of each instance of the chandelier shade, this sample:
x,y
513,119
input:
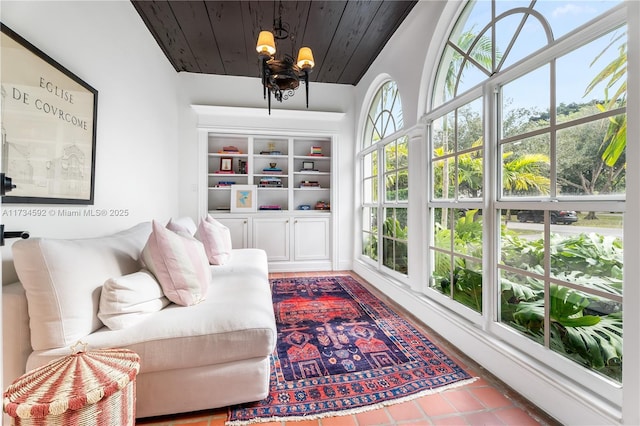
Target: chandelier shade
x,y
305,58
266,45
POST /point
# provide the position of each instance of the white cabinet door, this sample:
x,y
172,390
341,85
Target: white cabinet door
x,y
272,235
239,229
311,238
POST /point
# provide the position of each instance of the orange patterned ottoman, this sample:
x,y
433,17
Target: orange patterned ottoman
x,y
87,388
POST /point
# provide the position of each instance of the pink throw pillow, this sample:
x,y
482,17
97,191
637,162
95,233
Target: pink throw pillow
x,y
216,239
180,265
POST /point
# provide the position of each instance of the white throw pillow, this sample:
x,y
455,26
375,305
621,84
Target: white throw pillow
x,y
63,280
179,263
216,239
183,226
127,300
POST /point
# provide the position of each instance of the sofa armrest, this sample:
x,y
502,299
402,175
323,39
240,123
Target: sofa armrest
x,y
16,336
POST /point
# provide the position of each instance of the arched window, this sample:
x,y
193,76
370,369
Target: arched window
x,y
385,115
527,183
385,183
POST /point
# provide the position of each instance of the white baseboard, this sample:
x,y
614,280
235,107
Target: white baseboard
x,y
300,266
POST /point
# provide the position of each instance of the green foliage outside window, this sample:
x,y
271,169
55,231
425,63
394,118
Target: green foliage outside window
x,y
584,327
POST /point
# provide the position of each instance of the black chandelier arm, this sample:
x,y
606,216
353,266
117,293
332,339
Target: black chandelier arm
x,y
306,85
265,71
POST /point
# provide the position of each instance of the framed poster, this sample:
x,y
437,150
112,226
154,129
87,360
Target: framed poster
x,y
243,198
48,126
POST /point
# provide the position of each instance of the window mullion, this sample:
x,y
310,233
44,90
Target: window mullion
x,y
547,282
381,205
553,173
491,225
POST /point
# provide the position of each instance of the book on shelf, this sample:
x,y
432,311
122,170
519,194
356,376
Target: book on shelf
x,y
270,152
272,171
225,172
225,183
270,182
316,150
309,184
270,207
229,150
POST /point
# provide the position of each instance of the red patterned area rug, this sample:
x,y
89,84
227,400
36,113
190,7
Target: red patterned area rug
x,y
341,351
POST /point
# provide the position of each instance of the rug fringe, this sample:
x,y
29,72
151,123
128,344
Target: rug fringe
x,y
351,411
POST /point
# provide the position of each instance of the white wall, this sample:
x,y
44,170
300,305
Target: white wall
x,y
106,44
200,89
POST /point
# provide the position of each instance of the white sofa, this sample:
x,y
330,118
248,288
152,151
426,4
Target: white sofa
x,y
212,354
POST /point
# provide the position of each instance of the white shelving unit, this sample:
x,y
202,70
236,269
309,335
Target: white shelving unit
x,y
291,173
293,176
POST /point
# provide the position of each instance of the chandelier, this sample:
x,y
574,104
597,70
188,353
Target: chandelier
x,y
281,77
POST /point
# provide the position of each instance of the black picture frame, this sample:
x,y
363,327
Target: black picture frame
x,y
49,120
226,164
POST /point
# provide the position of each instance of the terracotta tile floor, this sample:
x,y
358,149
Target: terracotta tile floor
x,y
487,401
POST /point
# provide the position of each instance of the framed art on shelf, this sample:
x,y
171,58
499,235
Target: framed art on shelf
x,y
243,198
226,164
48,126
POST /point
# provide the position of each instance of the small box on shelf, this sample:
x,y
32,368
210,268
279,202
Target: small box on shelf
x,y
322,205
316,151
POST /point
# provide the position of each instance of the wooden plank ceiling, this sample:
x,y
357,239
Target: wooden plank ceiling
x,y
219,37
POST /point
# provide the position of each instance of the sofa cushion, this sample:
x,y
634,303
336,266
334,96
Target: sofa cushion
x,y
130,299
216,239
235,322
63,280
179,263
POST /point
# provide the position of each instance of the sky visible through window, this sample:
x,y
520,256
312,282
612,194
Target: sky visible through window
x,y
575,70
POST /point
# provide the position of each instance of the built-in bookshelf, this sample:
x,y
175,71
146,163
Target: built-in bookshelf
x,y
289,173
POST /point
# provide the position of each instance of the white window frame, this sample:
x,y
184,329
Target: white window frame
x,y
381,203
492,203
